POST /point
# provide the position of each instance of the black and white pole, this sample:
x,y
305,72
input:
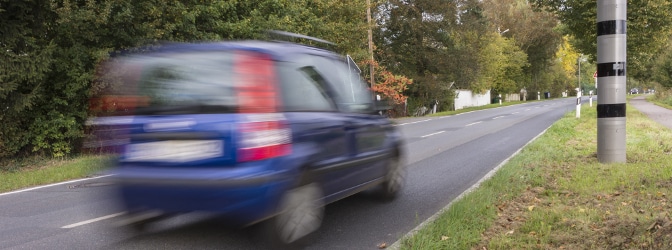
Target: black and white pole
x,y
578,90
578,104
611,75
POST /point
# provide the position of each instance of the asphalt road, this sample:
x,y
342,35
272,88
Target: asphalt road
x,y
445,157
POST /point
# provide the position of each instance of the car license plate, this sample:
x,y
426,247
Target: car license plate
x,y
174,151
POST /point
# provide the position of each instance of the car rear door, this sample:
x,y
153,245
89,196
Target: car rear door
x,y
366,131
319,130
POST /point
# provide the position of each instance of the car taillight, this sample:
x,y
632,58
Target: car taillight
x,y
263,133
264,136
255,82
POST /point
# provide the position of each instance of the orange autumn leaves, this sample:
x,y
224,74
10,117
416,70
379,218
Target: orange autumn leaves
x,y
389,85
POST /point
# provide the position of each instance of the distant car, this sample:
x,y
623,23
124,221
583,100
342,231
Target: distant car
x,y
257,131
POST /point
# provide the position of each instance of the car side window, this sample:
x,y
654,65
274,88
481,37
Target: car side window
x,y
303,89
352,94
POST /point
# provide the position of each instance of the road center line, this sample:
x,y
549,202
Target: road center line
x,y
93,220
412,122
432,134
472,124
498,117
515,113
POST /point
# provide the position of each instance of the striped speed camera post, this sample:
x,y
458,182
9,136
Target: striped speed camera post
x,y
611,92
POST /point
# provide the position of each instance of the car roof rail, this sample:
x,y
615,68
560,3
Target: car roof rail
x,y
285,36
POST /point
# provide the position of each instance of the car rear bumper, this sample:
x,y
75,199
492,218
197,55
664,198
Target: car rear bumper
x,y
237,195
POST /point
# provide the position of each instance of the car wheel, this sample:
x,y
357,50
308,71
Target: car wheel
x,y
300,214
394,179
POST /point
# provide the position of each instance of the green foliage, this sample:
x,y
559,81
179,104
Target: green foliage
x,y
649,27
501,46
661,72
423,40
534,32
663,97
24,62
506,62
49,51
55,132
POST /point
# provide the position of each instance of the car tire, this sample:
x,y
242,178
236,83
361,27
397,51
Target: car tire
x,y
394,179
301,210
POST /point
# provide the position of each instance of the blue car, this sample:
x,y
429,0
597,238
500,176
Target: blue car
x,y
256,131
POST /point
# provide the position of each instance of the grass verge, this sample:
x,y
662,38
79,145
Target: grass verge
x,y
662,98
40,171
556,195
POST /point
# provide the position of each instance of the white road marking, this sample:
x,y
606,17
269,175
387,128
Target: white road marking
x,y
527,109
498,117
472,124
515,113
432,134
412,122
94,220
55,184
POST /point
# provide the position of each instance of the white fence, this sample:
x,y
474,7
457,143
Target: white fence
x,y
465,98
512,98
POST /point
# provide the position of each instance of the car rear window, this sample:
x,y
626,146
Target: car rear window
x,y
200,82
233,81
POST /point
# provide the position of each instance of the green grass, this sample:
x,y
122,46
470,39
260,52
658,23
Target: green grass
x,y
662,98
36,171
556,195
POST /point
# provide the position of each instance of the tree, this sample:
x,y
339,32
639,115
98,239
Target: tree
x,y
506,63
661,72
49,51
649,26
435,43
25,58
388,84
534,32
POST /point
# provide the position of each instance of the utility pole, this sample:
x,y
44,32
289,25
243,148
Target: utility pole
x,y
368,20
611,77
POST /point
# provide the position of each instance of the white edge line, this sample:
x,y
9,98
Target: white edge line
x,y
432,134
55,184
93,220
470,124
396,245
